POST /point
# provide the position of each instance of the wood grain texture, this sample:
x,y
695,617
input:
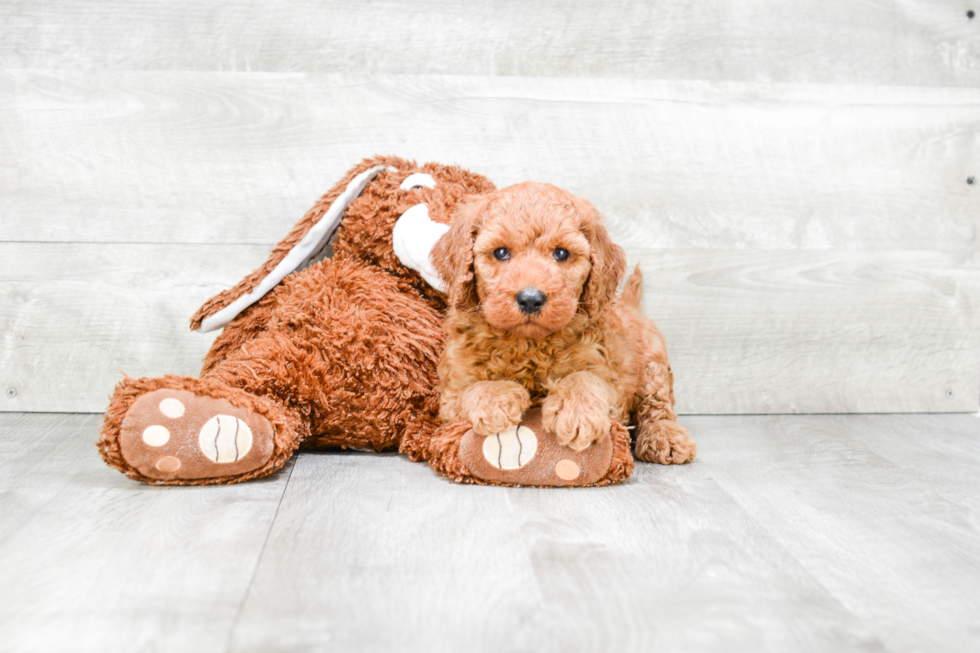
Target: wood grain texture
x,y
92,561
237,158
393,557
903,42
77,317
870,524
907,441
788,533
794,179
817,332
748,332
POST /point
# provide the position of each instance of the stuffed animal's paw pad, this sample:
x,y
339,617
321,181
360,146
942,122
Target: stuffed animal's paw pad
x,y
530,454
169,434
510,449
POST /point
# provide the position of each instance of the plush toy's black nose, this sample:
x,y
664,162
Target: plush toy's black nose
x,y
531,300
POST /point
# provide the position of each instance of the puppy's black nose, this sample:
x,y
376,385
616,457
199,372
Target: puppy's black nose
x,y
531,300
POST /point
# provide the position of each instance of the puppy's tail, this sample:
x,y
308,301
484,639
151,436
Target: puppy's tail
x,y
633,289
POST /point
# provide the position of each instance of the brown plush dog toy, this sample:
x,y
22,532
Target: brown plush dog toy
x,y
342,352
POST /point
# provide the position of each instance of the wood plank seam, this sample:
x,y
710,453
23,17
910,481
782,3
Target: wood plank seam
x,y
288,470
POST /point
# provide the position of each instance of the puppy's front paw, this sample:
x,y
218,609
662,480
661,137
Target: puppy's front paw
x,y
665,442
577,421
495,406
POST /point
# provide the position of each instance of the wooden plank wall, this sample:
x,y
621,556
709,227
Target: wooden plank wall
x,y
791,176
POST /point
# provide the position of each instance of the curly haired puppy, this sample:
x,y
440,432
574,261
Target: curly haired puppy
x,y
532,278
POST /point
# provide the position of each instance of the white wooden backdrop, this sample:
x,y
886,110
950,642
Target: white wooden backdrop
x,y
793,177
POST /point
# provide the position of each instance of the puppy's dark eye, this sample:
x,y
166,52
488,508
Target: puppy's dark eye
x,y
501,254
560,254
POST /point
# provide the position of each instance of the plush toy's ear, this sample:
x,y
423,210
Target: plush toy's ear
x,y
452,255
413,238
297,250
608,261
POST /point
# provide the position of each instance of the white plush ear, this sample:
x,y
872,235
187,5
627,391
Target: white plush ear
x,y
413,237
301,255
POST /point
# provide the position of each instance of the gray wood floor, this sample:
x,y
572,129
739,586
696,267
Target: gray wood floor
x,y
789,533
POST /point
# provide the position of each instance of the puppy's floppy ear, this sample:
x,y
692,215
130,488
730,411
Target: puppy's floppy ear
x,y
608,262
452,255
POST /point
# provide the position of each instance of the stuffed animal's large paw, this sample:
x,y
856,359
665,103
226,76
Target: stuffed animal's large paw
x,y
530,454
175,434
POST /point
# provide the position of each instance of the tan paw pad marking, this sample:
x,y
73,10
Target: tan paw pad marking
x,y
156,435
168,464
172,408
225,439
510,449
567,470
174,435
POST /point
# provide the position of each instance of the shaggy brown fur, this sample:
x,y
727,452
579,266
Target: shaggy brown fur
x,y
342,353
288,428
588,359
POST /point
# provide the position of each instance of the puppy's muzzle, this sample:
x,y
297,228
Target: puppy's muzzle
x,y
530,300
